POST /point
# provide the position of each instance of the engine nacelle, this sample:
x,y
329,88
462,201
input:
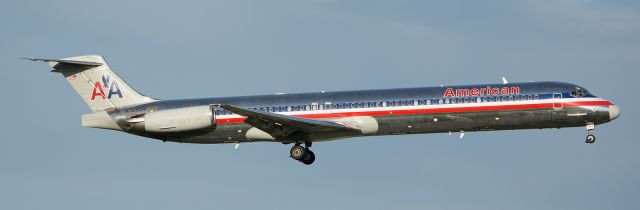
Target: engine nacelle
x,y
189,119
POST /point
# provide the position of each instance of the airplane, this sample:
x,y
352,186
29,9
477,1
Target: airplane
x,y
304,118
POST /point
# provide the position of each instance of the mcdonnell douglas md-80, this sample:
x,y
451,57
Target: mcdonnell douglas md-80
x,y
303,118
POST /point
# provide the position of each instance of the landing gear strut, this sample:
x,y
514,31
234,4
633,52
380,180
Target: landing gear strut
x,y
303,154
590,137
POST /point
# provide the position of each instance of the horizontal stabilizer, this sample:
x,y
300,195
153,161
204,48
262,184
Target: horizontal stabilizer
x,y
58,64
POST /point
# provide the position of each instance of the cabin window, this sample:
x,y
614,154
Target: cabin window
x,y
536,97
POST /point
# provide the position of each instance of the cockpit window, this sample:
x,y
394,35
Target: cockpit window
x,y
579,93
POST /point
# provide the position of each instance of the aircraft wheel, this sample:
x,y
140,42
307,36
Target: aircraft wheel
x,y
308,158
297,152
590,139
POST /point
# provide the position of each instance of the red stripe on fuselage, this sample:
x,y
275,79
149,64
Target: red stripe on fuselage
x,y
434,110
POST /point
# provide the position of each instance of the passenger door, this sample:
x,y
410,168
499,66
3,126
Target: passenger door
x,y
557,101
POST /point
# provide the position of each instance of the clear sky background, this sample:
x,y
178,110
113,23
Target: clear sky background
x,y
224,48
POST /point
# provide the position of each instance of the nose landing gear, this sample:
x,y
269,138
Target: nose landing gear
x,y
303,154
590,137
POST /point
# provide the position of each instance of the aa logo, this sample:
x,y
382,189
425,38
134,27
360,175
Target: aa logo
x,y
98,88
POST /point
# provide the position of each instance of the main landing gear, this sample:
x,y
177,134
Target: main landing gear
x,y
590,137
303,154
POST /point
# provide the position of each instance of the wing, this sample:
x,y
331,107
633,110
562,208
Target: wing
x,y
283,126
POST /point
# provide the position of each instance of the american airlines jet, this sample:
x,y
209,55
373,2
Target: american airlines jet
x,y
303,118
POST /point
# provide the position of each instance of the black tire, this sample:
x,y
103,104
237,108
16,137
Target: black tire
x,y
297,152
308,158
590,139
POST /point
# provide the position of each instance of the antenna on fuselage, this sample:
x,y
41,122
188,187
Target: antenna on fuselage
x,y
504,81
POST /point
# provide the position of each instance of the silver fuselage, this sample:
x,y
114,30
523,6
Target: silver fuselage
x,y
397,111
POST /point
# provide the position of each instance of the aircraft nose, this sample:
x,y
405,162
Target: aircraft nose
x,y
614,112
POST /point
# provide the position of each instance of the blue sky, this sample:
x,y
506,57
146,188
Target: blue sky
x,y
224,48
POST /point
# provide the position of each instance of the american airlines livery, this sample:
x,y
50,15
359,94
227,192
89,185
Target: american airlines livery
x,y
303,118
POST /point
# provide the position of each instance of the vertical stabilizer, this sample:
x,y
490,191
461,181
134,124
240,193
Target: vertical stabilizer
x,y
92,78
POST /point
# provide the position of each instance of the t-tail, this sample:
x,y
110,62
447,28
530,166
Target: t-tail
x,y
99,87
